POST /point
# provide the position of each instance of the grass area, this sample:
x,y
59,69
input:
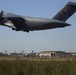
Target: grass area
x,y
35,67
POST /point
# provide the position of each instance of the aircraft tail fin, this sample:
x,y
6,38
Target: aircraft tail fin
x,y
68,10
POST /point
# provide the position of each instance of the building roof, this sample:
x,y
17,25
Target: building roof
x,y
47,52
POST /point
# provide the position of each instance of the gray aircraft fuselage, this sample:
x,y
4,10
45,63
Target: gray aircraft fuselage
x,y
23,23
43,23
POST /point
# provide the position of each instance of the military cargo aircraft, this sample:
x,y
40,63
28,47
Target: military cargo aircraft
x,y
24,23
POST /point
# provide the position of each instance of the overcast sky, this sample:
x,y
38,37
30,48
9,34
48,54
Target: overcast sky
x,y
60,39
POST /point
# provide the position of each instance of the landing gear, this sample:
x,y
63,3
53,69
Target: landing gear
x,y
13,29
20,30
26,31
16,29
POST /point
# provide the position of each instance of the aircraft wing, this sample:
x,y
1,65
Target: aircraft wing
x,y
13,21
